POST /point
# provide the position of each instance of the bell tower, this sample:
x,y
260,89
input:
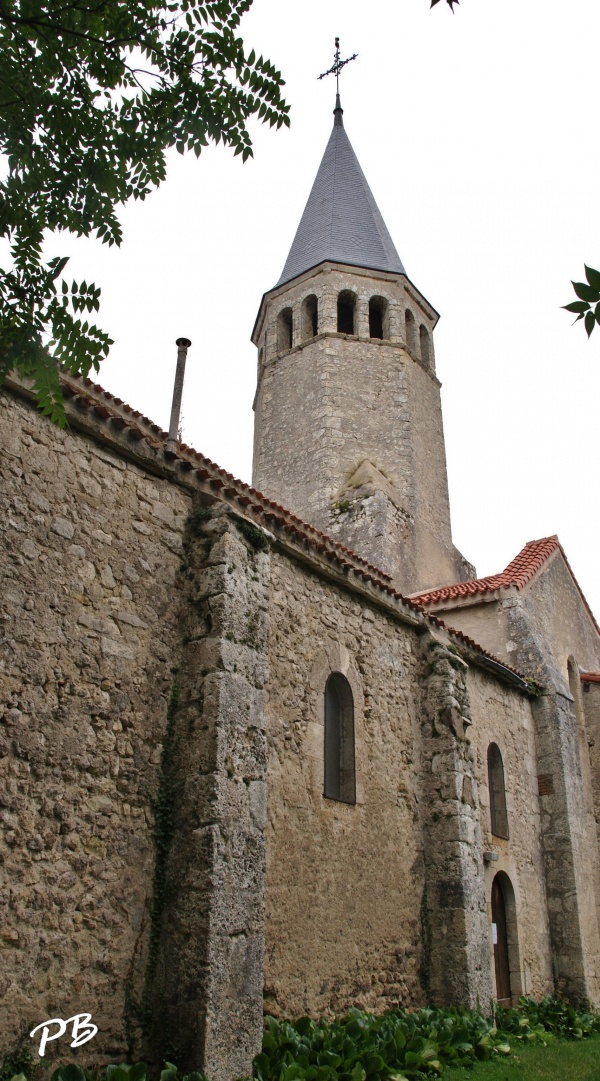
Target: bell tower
x,y
348,427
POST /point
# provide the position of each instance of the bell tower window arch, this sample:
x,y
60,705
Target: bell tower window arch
x,y
310,317
378,318
346,312
285,323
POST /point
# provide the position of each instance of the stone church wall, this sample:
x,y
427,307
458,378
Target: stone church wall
x,y
344,883
90,549
126,584
504,717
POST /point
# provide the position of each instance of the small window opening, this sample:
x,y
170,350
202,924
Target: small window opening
x,y
310,317
284,330
425,342
410,333
345,312
377,317
340,776
498,815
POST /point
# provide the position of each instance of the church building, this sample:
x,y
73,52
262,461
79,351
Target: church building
x,y
278,748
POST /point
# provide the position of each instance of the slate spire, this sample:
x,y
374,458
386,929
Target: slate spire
x,y
341,222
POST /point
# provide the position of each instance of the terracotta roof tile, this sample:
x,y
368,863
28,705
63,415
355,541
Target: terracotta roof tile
x,y
516,575
589,677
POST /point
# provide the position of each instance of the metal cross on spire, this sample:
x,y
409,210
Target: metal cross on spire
x,y
337,66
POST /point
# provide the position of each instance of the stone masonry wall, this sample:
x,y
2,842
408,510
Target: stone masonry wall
x,y
591,706
344,883
132,754
335,401
208,981
504,717
90,550
458,962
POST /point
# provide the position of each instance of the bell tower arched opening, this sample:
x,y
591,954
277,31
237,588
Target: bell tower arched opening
x,y
346,312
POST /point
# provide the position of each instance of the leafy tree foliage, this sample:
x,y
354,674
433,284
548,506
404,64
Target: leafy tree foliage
x,y
92,95
450,2
588,305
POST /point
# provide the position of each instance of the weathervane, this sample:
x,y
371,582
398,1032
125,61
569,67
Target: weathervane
x,y
337,66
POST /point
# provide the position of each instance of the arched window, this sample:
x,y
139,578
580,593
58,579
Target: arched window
x,y
345,312
410,330
425,343
340,779
310,317
378,318
284,330
497,792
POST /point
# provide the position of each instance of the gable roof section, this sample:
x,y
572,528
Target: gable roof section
x,y
341,222
518,574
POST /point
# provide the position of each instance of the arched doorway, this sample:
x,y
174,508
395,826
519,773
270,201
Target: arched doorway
x,y
500,940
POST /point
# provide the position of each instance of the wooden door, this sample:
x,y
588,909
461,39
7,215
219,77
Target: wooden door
x,y
500,938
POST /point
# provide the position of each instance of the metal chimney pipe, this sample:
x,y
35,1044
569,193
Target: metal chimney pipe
x,y
183,345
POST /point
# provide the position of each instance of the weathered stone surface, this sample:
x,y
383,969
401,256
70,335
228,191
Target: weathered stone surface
x,y
379,903
83,701
342,918
335,401
458,963
207,991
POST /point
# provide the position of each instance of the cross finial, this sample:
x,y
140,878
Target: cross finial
x,y
337,66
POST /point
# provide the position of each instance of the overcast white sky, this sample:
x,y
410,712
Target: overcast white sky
x,y
478,135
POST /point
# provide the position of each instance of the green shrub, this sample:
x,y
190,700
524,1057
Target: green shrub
x,y
551,1015
376,1047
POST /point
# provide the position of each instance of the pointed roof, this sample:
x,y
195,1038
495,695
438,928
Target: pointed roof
x,y
341,222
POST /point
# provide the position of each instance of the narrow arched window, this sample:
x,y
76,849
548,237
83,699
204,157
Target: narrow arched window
x,y
340,779
498,814
310,317
345,312
410,330
284,330
425,343
378,317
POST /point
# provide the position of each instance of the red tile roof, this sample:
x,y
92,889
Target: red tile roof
x,y
517,575
89,397
589,677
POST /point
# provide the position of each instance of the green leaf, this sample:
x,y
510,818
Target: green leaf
x,y
593,277
70,1073
585,292
590,322
576,306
